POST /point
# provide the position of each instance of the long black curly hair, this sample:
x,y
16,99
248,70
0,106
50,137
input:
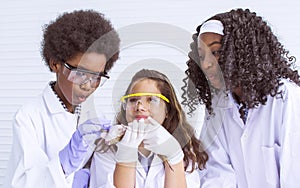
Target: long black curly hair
x,y
78,32
251,57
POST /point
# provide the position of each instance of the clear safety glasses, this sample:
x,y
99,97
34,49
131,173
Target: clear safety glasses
x,y
81,76
148,100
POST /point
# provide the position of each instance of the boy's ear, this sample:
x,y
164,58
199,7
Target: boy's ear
x,y
54,66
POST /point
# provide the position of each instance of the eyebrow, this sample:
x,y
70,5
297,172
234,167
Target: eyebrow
x,y
214,42
209,45
88,71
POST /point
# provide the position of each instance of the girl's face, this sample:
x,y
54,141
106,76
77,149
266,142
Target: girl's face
x,y
145,106
209,45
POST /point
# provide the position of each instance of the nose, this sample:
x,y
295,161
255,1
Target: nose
x,y
207,62
86,85
140,106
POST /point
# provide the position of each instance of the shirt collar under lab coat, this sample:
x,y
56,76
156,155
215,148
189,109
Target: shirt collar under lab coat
x,y
155,167
222,100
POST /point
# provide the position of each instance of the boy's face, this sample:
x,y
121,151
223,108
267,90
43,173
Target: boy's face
x,y
73,85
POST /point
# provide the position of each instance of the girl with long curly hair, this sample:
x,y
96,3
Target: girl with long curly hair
x,y
158,144
245,78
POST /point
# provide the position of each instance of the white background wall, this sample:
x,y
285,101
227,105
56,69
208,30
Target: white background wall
x,y
23,74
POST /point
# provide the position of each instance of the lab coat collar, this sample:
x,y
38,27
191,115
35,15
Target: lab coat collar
x,y
51,100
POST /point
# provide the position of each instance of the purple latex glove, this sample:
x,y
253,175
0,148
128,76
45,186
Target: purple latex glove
x,y
73,154
92,129
75,151
81,178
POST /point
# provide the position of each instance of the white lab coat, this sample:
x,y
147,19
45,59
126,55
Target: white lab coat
x,y
264,152
40,130
103,166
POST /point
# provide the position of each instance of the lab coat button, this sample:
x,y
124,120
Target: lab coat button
x,y
245,136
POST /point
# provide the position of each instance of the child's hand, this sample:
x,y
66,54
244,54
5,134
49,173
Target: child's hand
x,y
114,134
161,142
128,146
93,129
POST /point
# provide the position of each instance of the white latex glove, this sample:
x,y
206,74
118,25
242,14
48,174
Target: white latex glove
x,y
127,151
114,134
161,142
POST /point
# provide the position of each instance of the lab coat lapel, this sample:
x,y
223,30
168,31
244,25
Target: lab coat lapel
x,y
140,170
213,123
155,168
235,112
88,110
51,101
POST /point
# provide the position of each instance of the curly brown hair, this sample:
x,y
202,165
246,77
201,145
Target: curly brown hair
x,y
176,123
78,32
251,57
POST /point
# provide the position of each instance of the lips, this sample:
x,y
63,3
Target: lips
x,y
82,98
210,77
141,117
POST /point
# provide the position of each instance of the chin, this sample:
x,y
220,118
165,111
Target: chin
x,y
75,102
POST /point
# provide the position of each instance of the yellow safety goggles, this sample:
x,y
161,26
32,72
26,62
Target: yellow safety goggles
x,y
123,99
